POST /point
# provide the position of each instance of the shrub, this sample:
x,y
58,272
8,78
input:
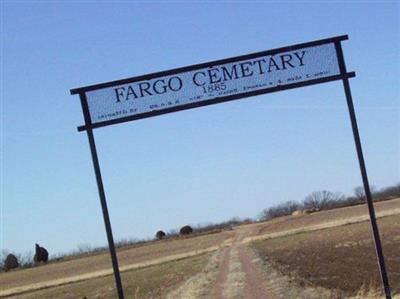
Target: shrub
x,y
160,235
41,254
186,230
11,262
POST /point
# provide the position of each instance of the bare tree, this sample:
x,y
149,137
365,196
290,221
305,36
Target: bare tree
x,y
320,200
359,192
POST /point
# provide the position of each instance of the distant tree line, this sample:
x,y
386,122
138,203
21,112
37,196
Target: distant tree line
x,y
229,224
326,200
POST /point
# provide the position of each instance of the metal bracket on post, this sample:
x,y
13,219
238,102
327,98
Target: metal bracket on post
x,y
357,140
102,196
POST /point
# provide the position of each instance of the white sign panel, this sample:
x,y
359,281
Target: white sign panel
x,y
233,79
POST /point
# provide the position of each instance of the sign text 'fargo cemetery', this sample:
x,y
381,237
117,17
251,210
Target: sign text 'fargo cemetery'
x,y
212,82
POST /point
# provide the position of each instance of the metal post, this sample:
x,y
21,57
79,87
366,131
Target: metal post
x,y
102,195
357,140
106,217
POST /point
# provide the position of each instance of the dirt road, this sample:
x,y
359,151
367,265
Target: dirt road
x,y
240,274
234,272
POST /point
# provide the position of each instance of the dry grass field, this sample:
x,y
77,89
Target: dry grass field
x,y
147,283
335,217
341,259
329,252
99,264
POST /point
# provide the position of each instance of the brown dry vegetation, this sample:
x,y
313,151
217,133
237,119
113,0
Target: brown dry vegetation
x,y
150,282
341,258
292,222
98,262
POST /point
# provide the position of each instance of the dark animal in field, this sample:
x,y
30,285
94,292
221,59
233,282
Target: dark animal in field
x,y
186,230
160,235
41,254
11,262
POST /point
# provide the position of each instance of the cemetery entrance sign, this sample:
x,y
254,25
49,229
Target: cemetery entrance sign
x,y
212,82
217,82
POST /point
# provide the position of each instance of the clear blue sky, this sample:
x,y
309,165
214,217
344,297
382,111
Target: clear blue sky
x,y
203,165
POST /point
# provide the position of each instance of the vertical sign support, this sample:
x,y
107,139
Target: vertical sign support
x,y
102,195
357,140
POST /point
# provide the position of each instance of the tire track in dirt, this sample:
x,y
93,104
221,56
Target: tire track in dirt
x,y
197,286
200,286
222,274
235,282
255,285
238,275
241,276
